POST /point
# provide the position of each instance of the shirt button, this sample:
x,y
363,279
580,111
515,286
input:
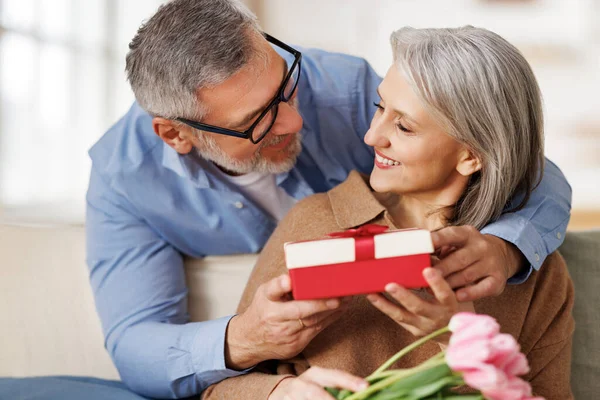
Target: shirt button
x,y
537,257
238,204
558,235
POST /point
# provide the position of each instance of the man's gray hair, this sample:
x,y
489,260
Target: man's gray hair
x,y
185,46
482,91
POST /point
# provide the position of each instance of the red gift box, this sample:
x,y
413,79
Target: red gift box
x,y
358,261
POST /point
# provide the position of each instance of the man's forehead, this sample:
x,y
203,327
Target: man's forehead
x,y
254,86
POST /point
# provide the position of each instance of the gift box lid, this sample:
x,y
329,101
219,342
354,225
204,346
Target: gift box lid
x,y
327,251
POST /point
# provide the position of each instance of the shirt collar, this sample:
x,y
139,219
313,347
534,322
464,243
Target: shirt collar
x,y
190,166
353,202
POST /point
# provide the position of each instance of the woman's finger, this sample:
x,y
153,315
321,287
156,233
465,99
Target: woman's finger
x,y
334,378
402,317
411,302
394,311
305,390
440,288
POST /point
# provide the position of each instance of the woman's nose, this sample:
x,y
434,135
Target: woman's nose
x,y
288,120
376,135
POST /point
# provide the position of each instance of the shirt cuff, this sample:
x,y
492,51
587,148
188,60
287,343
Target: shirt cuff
x,y
208,352
520,232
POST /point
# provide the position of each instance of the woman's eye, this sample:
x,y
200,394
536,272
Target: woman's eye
x,y
403,128
378,105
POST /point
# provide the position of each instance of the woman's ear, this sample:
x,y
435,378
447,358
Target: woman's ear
x,y
173,135
468,163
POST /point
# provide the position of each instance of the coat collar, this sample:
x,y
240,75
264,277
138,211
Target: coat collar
x,y
354,203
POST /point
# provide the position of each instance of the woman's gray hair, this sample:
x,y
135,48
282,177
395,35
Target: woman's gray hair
x,y
185,46
483,93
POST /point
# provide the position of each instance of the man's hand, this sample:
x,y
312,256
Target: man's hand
x,y
309,385
478,264
275,327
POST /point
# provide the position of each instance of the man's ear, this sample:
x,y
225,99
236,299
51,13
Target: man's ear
x,y
173,135
468,163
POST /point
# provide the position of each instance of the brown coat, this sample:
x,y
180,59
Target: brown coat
x,y
537,312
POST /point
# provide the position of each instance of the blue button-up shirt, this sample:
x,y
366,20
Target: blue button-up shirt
x,y
147,206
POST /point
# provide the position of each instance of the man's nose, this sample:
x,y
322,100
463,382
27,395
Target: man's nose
x,y
288,120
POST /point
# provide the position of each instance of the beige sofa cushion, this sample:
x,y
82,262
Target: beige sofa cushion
x,y
48,321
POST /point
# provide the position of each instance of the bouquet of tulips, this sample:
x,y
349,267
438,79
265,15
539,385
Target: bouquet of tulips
x,y
478,355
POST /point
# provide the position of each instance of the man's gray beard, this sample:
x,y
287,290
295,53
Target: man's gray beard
x,y
209,150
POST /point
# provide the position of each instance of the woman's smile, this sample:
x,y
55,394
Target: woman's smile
x,y
385,162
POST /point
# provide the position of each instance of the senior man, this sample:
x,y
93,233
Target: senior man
x,y
231,127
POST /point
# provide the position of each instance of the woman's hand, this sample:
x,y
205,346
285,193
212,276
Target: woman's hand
x,y
310,385
418,315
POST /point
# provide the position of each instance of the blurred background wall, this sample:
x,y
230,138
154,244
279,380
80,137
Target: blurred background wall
x,y
62,82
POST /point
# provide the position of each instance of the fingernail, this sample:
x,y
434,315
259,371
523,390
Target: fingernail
x,y
391,287
371,298
461,296
429,273
362,385
332,303
285,282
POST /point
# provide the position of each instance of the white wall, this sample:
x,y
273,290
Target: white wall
x,y
561,39
62,82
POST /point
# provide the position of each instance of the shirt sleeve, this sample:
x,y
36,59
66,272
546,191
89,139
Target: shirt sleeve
x,y
539,228
139,287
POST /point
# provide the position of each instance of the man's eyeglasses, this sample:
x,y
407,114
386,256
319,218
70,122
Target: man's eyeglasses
x,y
259,129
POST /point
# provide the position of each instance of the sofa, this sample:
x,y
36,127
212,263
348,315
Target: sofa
x,y
49,326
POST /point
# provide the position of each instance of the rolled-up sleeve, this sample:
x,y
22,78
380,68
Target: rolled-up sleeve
x,y
139,287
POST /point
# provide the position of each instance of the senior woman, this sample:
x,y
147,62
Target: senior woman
x,y
458,131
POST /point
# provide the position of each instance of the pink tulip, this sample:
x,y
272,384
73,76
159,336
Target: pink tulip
x,y
468,326
485,377
490,361
517,366
512,389
506,355
467,355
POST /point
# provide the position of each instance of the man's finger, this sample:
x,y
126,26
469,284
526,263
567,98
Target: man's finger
x,y
310,332
321,318
467,276
278,288
334,378
487,287
456,261
452,236
296,309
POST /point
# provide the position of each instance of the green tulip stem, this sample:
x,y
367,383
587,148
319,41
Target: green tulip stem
x,y
408,349
393,378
